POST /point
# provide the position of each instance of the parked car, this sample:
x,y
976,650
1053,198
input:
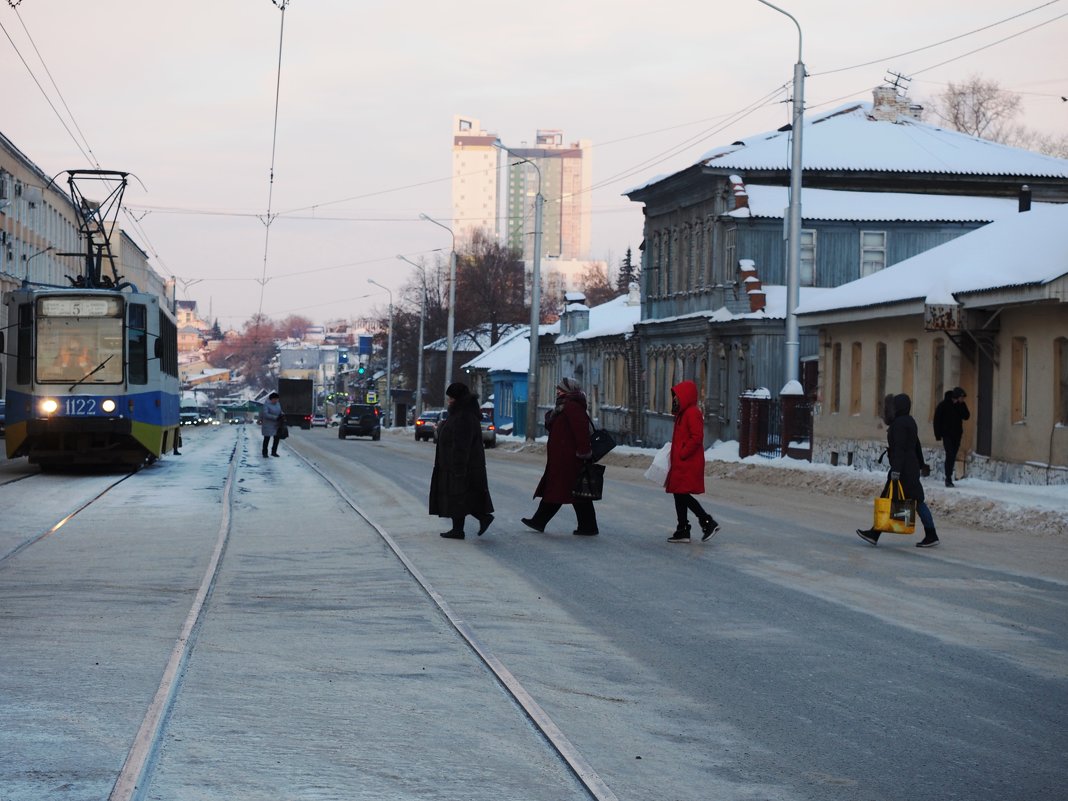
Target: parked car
x,y
489,431
3,418
318,420
426,426
361,420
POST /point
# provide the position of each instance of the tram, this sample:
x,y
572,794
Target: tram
x,y
92,369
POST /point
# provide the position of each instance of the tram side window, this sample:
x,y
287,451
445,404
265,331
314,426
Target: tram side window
x,y
137,344
24,366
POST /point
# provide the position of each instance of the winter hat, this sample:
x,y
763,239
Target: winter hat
x,y
457,390
568,385
958,392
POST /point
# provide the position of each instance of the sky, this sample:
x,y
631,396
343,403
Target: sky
x,y
183,95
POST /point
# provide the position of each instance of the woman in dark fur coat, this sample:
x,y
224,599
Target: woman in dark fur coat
x,y
458,486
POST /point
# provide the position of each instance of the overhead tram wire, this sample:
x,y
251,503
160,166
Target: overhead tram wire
x,y
947,61
937,44
281,4
44,94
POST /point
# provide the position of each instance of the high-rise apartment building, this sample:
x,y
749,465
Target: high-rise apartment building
x,y
566,176
475,177
479,175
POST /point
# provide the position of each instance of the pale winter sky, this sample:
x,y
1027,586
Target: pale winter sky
x,y
183,96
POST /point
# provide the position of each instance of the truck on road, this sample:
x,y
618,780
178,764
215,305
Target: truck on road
x,y
297,396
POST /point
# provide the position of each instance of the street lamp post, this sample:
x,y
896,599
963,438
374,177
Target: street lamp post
x,y
422,318
389,356
535,303
793,268
451,329
33,256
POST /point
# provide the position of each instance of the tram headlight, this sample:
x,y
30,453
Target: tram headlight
x,y
108,405
49,406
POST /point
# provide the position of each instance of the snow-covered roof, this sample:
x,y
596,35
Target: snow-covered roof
x,y
774,307
471,340
1024,249
613,318
511,353
830,204
849,139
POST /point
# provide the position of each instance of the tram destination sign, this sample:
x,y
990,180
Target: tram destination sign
x,y
78,307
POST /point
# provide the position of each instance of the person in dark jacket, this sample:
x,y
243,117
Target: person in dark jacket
x,y
459,486
567,449
906,460
272,418
686,474
949,419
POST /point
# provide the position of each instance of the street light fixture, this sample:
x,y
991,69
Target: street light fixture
x,y
451,329
33,256
793,268
422,317
389,356
535,302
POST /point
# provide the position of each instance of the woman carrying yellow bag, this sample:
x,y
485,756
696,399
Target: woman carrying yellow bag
x,y
906,460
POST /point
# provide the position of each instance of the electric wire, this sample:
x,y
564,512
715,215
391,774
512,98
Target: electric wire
x,y
281,4
44,94
935,44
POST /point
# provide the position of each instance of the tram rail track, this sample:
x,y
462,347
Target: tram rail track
x,y
135,778
38,537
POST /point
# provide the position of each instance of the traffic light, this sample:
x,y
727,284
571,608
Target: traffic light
x,y
361,370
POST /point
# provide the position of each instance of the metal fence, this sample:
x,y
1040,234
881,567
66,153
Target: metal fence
x,y
775,427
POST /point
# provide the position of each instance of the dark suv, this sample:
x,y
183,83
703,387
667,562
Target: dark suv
x,y
361,420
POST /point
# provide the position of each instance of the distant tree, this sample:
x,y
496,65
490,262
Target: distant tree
x,y
216,331
250,353
596,286
982,108
294,327
489,286
629,273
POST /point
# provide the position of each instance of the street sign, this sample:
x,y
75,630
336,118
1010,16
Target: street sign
x,y
372,397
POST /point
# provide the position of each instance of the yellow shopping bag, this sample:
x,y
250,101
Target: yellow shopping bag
x,y
894,513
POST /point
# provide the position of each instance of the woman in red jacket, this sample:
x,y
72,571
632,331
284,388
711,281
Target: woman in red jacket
x,y
686,475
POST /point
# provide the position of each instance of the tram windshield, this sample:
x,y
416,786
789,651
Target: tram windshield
x,y
79,339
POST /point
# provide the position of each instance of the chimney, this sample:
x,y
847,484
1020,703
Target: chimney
x,y
741,197
753,288
1025,198
887,106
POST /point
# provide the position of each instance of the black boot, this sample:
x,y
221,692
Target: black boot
x,y
870,535
681,533
930,539
709,527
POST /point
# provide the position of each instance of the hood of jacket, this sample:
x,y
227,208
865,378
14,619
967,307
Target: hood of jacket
x,y
902,405
686,392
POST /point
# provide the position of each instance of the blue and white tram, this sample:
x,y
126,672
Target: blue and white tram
x,y
92,376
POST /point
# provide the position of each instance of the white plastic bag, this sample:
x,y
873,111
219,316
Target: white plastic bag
x,y
658,470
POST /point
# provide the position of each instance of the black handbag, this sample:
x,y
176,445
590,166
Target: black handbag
x,y
590,482
601,442
282,430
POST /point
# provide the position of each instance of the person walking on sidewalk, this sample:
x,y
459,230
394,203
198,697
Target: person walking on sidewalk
x,y
906,460
271,418
686,475
566,451
949,419
459,486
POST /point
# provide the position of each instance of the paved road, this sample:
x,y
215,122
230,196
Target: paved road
x,y
784,660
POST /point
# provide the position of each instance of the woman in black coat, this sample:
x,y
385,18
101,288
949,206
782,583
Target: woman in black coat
x,y
458,486
906,460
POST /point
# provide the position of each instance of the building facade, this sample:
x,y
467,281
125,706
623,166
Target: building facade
x,y
475,176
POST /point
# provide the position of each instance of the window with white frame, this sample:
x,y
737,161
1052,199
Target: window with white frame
x,y
872,252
